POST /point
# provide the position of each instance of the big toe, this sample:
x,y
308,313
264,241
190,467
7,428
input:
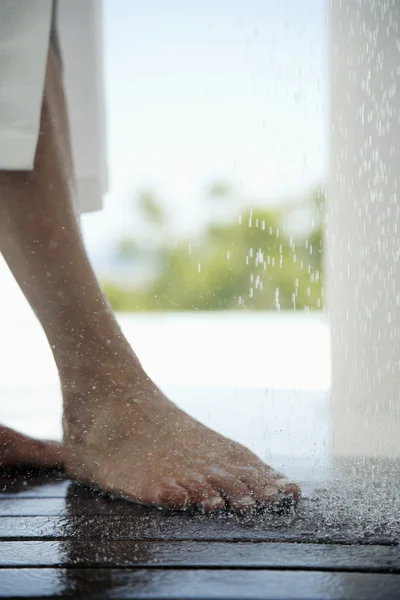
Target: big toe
x,y
288,488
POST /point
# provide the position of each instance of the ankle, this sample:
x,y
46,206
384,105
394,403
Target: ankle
x,y
84,358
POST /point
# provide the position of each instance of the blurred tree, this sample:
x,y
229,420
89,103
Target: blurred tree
x,y
127,248
254,263
151,207
220,189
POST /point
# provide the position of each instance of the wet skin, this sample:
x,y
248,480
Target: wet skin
x,y
120,432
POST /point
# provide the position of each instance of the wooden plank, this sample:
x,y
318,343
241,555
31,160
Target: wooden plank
x,y
22,487
200,554
39,507
152,526
172,527
199,583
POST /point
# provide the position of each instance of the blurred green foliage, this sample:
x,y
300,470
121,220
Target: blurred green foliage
x,y
268,258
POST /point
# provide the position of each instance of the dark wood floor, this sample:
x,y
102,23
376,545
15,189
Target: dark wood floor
x,y
59,539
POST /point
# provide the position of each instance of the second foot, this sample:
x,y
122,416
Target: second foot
x,y
124,436
18,450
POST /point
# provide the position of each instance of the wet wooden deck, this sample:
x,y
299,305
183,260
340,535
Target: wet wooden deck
x,y
59,539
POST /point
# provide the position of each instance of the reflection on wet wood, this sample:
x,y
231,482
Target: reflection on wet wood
x,y
196,554
199,583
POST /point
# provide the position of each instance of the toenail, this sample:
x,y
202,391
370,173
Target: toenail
x,y
214,501
271,492
247,501
284,483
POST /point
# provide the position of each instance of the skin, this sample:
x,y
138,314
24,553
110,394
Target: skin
x,y
120,432
17,450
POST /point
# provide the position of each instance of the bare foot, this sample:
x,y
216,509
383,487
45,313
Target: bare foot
x,y
17,450
123,435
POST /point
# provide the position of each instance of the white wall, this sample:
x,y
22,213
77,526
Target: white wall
x,y
363,235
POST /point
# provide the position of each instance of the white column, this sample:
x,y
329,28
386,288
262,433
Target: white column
x,y
363,233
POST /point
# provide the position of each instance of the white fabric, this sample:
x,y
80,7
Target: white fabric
x,y
24,39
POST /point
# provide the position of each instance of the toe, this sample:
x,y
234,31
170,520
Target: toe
x,y
263,490
269,486
237,493
288,488
168,495
202,494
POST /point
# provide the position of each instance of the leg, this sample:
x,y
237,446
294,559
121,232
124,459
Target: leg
x,y
120,432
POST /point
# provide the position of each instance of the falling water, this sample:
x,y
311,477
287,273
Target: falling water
x,y
362,240
362,258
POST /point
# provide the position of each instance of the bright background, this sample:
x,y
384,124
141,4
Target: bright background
x,y
201,92
198,93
